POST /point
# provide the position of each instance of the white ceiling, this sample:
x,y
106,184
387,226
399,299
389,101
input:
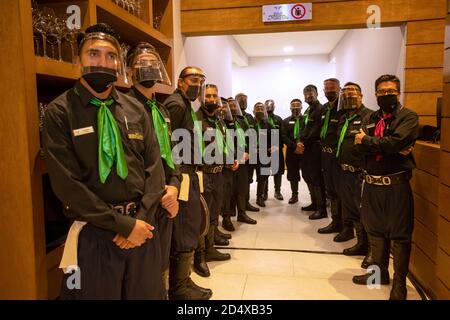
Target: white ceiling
x,y
302,43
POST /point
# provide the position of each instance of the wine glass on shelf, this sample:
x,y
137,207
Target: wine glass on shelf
x,y
60,29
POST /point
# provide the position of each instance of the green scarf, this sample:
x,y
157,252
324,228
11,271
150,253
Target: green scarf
x,y
272,123
198,131
162,133
297,128
240,135
306,120
343,132
324,130
110,148
246,122
221,144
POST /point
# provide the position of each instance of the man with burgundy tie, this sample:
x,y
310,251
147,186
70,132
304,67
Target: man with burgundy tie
x,y
387,207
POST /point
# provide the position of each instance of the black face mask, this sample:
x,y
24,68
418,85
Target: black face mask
x,y
148,83
243,104
192,92
310,100
259,116
210,107
387,103
331,96
100,78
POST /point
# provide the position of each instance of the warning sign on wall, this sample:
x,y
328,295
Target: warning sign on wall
x,y
287,12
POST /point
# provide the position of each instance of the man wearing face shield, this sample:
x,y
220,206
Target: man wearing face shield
x,y
240,176
187,225
146,69
105,167
290,137
213,180
330,168
249,122
311,150
387,206
275,123
263,132
350,161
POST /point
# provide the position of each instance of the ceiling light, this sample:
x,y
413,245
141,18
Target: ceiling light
x,y
288,49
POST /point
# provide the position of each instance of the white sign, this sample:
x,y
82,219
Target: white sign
x,y
287,12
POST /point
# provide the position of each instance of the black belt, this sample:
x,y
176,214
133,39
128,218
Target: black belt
x,y
126,208
212,169
189,169
352,169
387,180
328,150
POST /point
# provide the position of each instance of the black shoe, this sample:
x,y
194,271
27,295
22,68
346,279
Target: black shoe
x,y
367,261
278,196
331,228
205,291
200,266
363,279
227,224
222,234
212,254
265,196
319,214
361,248
249,207
219,241
243,217
293,199
311,207
345,235
401,250
260,202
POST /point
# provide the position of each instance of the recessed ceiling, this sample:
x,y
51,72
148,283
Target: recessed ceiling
x,y
289,43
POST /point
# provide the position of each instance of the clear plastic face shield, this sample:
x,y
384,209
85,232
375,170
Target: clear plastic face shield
x,y
350,98
147,66
260,112
100,53
270,106
242,100
235,107
296,108
223,112
192,84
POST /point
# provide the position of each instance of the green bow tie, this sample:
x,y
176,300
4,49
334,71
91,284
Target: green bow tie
x,y
343,132
240,135
162,133
324,130
198,132
110,148
297,128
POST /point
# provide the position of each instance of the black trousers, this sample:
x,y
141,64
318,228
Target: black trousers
x,y
350,195
165,227
311,165
388,211
213,194
331,174
240,186
251,168
110,273
227,210
293,164
188,222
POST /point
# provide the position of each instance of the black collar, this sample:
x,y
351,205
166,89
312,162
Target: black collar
x,y
86,96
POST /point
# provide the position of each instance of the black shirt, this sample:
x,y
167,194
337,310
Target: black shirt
x,y
349,153
209,125
248,118
287,132
310,133
400,133
72,160
332,138
173,176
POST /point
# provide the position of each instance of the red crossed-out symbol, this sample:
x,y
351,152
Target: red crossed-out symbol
x,y
298,11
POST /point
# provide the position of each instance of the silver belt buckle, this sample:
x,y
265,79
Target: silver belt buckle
x,y
120,209
351,169
386,181
369,179
329,150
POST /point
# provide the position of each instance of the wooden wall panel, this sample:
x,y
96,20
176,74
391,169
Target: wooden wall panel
x,y
425,240
425,185
444,235
427,156
428,120
427,213
422,103
442,267
424,270
423,80
445,134
444,201
425,56
446,101
428,31
445,168
442,292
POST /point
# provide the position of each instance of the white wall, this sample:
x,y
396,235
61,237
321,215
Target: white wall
x,y
365,54
273,78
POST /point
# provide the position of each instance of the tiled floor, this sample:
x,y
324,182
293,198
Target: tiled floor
x,y
309,266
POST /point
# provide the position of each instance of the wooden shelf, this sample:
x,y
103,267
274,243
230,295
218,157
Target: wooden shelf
x,y
58,69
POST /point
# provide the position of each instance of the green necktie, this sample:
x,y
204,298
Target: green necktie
x,y
306,116
240,135
246,122
198,131
272,123
162,133
343,132
297,128
220,138
324,130
110,148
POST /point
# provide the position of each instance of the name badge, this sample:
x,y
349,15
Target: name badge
x,y
291,122
135,136
167,120
371,126
83,131
357,122
354,131
323,117
334,120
